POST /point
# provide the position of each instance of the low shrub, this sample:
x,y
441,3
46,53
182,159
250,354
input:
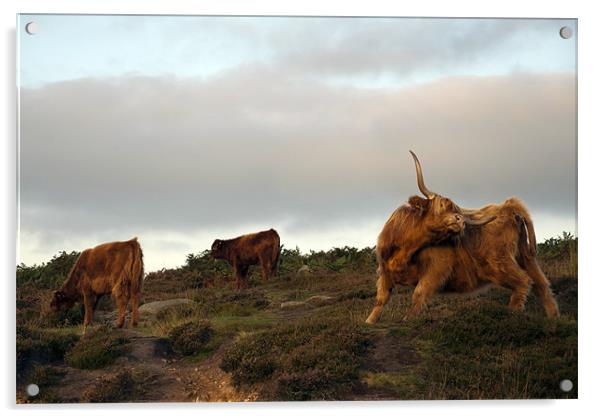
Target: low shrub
x,y
311,384
97,349
489,352
191,337
35,345
306,360
47,275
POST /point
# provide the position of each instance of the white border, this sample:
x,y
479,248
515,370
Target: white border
x,y
589,202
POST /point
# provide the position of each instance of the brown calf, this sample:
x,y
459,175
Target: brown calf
x,y
259,248
114,268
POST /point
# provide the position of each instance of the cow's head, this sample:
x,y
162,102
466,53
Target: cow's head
x,y
61,301
441,217
217,249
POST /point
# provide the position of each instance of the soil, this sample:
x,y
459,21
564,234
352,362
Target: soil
x,y
167,377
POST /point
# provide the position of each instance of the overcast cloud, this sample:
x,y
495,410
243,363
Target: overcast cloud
x,y
311,137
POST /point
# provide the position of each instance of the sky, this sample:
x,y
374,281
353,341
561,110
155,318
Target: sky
x,y
180,129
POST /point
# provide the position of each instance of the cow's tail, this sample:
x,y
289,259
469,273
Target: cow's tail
x,y
137,269
276,255
528,250
527,240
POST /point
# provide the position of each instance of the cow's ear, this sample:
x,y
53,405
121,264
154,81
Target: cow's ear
x,y
419,204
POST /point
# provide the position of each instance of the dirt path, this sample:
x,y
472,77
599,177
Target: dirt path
x,y
209,383
167,378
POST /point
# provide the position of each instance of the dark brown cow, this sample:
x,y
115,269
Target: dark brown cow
x,y
114,268
259,248
499,249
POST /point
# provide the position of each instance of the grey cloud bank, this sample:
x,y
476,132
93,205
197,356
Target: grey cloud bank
x,y
259,148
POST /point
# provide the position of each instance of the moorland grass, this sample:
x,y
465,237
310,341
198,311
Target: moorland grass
x,y
38,346
304,360
467,348
191,337
97,349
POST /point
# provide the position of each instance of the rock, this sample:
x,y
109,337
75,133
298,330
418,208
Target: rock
x,y
153,308
291,304
317,300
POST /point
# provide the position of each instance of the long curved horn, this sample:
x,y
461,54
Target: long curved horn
x,y
470,212
420,179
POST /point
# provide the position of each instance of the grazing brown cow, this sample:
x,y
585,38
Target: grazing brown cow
x,y
497,246
114,268
242,252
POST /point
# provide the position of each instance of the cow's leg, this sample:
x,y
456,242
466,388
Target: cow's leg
x,y
121,294
431,281
236,274
541,288
516,279
89,303
384,287
134,307
266,267
243,271
122,303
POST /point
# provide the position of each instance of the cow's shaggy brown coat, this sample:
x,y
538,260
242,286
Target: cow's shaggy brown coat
x,y
114,268
242,252
499,249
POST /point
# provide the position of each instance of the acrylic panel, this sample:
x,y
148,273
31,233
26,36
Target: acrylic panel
x,y
246,208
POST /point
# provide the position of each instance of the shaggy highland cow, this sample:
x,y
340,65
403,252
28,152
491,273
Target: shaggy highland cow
x,y
495,244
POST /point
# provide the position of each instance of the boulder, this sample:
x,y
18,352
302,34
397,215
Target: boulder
x,y
313,301
153,308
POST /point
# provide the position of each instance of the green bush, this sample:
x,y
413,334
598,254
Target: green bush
x,y
204,266
336,259
67,318
97,349
47,275
41,346
291,260
191,337
558,256
307,360
311,384
489,324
